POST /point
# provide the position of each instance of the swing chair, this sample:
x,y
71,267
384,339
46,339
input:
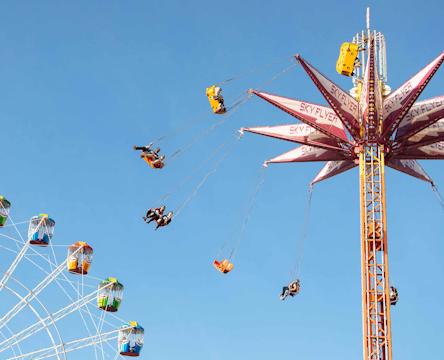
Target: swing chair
x,y
214,95
224,266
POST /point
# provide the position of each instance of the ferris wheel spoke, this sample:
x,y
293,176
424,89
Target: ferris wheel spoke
x,y
91,315
13,266
105,322
32,293
59,282
16,223
64,279
73,285
118,355
12,349
85,323
53,264
36,313
50,320
99,328
19,257
18,242
69,346
8,249
12,343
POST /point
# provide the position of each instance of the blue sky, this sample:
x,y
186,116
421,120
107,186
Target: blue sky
x,y
82,82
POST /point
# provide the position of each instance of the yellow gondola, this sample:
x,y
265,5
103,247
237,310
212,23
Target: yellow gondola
x,y
214,95
79,258
348,57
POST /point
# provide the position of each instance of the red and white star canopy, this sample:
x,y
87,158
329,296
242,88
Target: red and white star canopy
x,y
410,130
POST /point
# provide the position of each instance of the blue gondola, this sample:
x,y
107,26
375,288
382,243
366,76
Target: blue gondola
x,y
130,341
41,230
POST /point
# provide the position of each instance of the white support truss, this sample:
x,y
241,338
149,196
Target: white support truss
x,y
69,346
16,261
32,294
13,266
49,320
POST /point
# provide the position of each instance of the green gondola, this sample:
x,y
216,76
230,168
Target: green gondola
x,y
5,205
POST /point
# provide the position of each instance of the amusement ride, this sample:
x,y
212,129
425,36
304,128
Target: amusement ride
x,y
369,127
47,290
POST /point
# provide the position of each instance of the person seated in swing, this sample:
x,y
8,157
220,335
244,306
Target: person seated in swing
x,y
217,93
153,214
158,163
214,94
291,290
164,220
394,297
147,152
221,109
146,148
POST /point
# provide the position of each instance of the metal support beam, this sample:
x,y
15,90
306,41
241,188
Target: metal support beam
x,y
377,342
50,320
20,255
12,267
69,346
32,294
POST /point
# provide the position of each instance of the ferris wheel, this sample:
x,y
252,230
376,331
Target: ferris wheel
x,y
52,307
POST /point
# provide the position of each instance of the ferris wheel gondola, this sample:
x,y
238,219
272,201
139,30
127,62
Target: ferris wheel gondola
x,y
79,258
41,230
131,339
5,205
110,294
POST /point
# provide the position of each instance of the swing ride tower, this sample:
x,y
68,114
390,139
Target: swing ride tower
x,y
372,127
377,341
374,269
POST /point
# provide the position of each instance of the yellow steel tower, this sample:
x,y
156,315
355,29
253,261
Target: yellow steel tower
x,y
377,341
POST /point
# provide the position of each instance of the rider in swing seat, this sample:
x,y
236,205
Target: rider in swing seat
x,y
291,290
153,214
164,220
